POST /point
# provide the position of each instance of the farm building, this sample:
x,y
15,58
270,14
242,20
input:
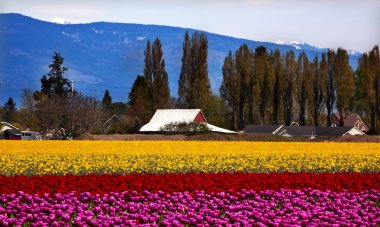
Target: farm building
x,y
5,125
350,120
12,134
262,129
316,131
163,117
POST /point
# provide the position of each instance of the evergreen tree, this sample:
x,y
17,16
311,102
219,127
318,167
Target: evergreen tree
x,y
137,93
54,82
138,100
290,70
107,100
330,85
302,86
344,83
10,108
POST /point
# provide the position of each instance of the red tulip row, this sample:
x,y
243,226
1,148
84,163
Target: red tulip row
x,y
209,182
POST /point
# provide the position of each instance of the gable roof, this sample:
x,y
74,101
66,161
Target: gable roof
x,y
350,119
261,129
5,125
165,116
114,117
316,131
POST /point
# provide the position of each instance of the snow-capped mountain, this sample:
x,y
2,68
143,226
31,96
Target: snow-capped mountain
x,y
59,20
106,55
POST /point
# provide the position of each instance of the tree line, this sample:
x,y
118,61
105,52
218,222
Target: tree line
x,y
258,87
262,87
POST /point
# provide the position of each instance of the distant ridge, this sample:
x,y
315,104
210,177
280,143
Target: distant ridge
x,y
104,55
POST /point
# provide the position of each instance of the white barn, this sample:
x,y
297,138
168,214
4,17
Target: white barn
x,y
167,116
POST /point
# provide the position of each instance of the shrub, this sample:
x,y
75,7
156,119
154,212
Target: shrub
x,y
185,128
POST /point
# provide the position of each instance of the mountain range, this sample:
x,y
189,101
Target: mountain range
x,y
104,55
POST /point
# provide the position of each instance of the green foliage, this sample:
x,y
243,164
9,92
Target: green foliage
x,y
54,82
290,70
230,89
330,85
302,86
160,83
107,100
9,110
368,88
344,83
277,86
138,101
151,92
124,126
184,82
216,112
262,88
263,76
194,87
185,128
317,89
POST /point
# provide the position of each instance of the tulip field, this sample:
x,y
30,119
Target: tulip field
x,y
189,183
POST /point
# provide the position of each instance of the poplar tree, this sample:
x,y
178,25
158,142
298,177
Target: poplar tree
x,y
160,84
263,73
156,78
230,89
244,67
290,70
184,82
302,86
201,88
317,94
330,85
277,65
194,85
344,83
368,74
148,75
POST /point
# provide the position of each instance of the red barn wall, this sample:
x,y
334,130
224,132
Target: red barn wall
x,y
199,118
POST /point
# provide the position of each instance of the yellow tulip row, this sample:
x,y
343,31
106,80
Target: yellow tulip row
x,y
124,157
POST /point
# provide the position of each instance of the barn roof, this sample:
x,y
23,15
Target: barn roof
x,y
350,119
166,116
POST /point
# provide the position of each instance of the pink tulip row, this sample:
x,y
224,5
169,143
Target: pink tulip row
x,y
246,207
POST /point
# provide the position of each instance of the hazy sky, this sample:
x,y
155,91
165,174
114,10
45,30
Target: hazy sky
x,y
352,24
